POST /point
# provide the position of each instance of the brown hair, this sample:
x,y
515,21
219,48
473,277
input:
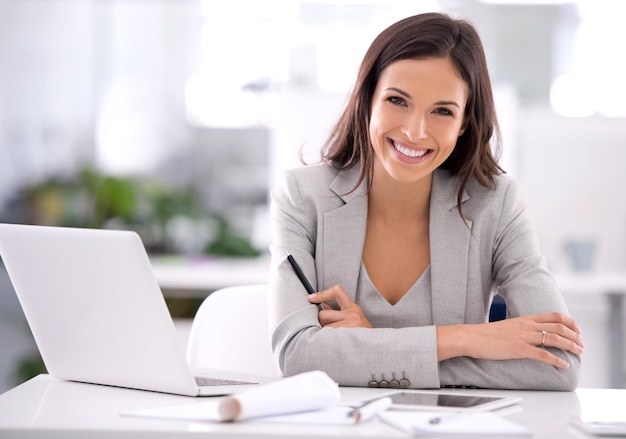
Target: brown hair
x,y
430,35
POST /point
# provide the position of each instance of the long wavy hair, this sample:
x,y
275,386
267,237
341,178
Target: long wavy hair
x,y
424,36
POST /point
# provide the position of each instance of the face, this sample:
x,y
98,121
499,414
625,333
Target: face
x,y
417,117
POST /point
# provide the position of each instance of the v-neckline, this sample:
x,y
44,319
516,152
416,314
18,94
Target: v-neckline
x,y
406,293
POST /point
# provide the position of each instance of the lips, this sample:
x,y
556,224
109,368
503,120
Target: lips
x,y
408,152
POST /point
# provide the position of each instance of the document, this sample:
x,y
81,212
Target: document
x,y
421,423
208,412
306,392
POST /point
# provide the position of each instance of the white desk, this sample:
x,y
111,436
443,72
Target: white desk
x,y
48,408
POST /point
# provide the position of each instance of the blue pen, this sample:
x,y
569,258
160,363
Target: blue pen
x,y
307,285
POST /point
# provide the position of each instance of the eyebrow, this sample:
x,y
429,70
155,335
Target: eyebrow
x,y
406,95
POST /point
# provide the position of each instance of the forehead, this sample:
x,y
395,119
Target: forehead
x,y
419,77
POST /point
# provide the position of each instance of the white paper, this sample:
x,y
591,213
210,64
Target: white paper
x,y
306,392
478,423
337,415
207,412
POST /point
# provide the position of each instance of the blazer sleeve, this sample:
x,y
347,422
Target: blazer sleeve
x,y
351,356
521,275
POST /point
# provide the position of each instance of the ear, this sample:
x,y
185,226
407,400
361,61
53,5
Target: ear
x,y
463,128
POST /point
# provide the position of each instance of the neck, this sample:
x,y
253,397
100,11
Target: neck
x,y
394,200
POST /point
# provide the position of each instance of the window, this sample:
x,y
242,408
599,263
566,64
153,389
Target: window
x,y
593,81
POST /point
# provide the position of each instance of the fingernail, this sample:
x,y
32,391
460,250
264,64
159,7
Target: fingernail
x,y
312,296
563,364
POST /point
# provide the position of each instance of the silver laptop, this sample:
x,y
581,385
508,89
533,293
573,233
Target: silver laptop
x,y
97,313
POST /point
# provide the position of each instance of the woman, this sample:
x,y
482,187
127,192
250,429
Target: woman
x,y
407,229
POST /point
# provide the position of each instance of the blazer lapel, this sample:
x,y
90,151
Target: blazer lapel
x,y
344,232
344,237
449,248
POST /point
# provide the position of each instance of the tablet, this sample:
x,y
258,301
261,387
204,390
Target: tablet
x,y
417,400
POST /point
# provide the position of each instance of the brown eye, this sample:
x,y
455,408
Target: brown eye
x,y
444,112
396,100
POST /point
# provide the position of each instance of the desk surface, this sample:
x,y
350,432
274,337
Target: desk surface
x,y
50,408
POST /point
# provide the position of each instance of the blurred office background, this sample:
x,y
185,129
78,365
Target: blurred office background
x,y
175,116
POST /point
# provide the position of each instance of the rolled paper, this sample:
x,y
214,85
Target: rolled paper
x,y
307,391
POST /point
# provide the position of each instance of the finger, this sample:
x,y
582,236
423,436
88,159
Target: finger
x,y
342,298
547,357
556,317
329,316
561,331
553,339
343,319
336,293
323,296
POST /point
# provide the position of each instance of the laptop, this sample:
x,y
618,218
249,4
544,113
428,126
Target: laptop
x,y
97,313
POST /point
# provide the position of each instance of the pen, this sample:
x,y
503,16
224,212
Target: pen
x,y
307,285
370,409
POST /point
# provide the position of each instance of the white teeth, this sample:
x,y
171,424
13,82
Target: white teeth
x,y
408,152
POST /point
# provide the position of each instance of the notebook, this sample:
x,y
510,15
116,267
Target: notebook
x,y
97,313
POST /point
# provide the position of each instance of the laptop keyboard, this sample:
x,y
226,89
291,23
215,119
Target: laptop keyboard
x,y
208,382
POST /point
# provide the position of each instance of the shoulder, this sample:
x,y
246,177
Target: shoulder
x,y
315,187
507,194
504,187
322,182
305,182
499,207
310,176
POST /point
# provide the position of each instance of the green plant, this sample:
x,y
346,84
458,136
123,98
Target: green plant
x,y
29,367
230,243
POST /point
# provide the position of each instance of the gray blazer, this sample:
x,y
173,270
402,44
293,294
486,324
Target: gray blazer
x,y
322,224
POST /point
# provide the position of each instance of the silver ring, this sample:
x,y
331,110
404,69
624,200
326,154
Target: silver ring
x,y
543,337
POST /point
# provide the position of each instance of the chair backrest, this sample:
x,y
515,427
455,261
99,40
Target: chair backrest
x,y
497,311
230,331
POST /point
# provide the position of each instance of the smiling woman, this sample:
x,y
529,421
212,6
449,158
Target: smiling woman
x,y
407,229
417,116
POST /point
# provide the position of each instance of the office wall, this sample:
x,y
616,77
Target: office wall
x,y
89,81
573,171
46,89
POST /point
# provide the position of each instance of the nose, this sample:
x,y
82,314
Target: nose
x,y
414,127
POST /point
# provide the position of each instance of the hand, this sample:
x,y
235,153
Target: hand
x,y
349,315
514,338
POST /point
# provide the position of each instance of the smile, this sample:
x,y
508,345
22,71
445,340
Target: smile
x,y
412,153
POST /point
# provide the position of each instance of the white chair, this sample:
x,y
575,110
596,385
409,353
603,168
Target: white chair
x,y
230,331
